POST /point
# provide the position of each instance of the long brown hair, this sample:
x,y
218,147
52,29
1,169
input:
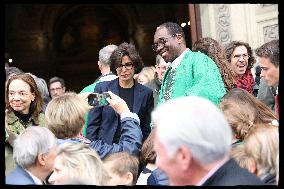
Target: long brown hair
x,y
37,104
264,113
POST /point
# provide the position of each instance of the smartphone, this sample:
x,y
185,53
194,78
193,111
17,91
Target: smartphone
x,y
98,99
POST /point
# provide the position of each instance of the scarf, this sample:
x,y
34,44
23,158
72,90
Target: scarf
x,y
246,81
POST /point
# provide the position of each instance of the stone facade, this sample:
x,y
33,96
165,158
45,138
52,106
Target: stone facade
x,y
252,23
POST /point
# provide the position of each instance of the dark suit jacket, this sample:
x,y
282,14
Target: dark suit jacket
x,y
19,177
231,174
103,121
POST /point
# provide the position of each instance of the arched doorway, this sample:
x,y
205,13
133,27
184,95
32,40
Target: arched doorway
x,y
78,36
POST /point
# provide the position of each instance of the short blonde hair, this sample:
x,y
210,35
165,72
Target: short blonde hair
x,y
263,145
123,162
65,115
83,164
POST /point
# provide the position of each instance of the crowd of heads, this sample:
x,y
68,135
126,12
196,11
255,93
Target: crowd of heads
x,y
190,136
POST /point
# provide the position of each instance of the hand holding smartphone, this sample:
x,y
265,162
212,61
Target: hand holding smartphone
x,y
98,99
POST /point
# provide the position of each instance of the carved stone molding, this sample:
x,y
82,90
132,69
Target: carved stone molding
x,y
223,23
270,32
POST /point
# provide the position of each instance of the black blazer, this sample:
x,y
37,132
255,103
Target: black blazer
x,y
231,174
103,121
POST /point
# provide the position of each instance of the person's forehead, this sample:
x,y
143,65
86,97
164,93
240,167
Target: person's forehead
x,y
161,32
18,83
240,48
58,162
55,84
265,61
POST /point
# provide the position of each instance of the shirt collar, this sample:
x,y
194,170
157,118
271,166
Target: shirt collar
x,y
36,180
176,62
212,171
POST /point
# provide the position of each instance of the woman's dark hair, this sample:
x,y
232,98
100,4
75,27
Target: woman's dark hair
x,y
126,49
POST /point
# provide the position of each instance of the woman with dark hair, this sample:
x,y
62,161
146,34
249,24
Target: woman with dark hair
x,y
24,109
212,48
240,55
103,122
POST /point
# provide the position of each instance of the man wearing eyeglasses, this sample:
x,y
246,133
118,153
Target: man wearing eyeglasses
x,y
190,73
56,87
104,122
240,55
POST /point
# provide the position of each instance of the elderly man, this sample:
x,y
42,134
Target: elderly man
x,y
192,141
268,55
104,66
34,153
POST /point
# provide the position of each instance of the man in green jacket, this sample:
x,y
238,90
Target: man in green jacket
x,y
190,73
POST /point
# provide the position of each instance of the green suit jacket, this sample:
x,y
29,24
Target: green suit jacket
x,y
196,75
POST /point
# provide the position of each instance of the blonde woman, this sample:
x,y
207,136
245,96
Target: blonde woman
x,y
65,117
147,74
78,162
262,144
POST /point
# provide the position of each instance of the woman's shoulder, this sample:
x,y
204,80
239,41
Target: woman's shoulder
x,y
40,119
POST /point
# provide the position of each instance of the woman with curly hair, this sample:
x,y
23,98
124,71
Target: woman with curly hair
x,y
213,49
240,55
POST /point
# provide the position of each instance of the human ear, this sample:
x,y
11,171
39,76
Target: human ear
x,y
128,178
184,157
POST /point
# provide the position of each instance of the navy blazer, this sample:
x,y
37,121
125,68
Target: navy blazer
x,y
231,174
104,121
19,177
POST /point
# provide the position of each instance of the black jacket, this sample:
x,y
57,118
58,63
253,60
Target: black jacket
x,y
231,174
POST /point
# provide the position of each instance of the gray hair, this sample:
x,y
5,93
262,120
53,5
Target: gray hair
x,y
194,122
30,143
42,86
56,79
104,54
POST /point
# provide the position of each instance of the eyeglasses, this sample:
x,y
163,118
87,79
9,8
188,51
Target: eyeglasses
x,y
161,43
127,66
238,56
56,89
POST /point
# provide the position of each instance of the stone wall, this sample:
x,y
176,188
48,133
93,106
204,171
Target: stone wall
x,y
252,23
